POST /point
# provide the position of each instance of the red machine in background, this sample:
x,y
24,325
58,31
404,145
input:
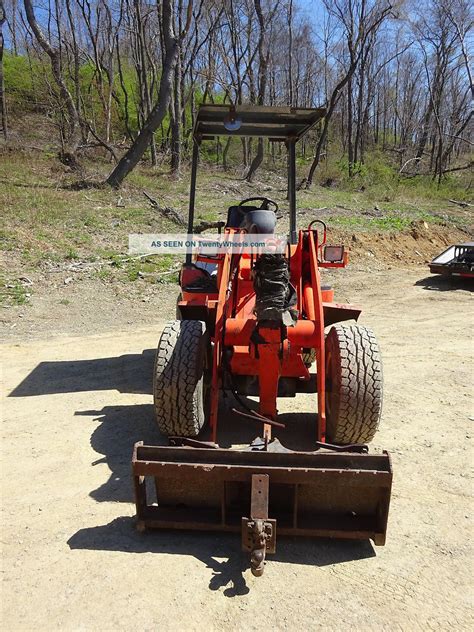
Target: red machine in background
x,y
252,324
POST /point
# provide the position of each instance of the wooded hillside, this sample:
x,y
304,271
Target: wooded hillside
x,y
124,78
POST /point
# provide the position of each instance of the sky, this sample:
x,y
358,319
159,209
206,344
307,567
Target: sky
x,y
311,9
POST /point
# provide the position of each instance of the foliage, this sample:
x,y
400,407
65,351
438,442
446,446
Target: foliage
x,y
25,85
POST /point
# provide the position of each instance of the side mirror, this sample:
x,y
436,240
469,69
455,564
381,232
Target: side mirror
x,y
334,254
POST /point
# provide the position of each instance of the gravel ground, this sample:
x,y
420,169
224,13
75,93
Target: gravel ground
x,y
74,405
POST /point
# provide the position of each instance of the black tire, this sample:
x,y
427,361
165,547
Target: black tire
x,y
309,357
354,384
180,378
178,311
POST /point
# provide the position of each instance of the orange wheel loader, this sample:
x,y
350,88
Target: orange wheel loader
x,y
252,324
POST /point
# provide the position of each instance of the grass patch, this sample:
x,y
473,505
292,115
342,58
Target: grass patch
x,y
388,222
71,254
150,268
104,274
13,293
8,241
44,218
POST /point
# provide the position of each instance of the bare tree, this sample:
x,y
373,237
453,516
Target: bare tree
x,y
73,134
290,52
263,62
358,19
133,72
3,104
157,114
461,15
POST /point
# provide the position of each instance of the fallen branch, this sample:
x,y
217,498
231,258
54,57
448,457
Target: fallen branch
x,y
471,164
460,203
175,216
199,228
169,212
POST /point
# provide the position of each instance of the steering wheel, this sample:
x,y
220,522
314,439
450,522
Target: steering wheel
x,y
264,203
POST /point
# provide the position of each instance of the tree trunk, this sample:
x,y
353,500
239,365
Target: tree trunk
x,y
256,162
73,138
350,145
3,105
132,157
262,84
13,10
290,53
434,90
126,111
142,73
225,152
176,120
324,134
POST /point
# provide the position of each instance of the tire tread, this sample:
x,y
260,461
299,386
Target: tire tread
x,y
176,379
358,382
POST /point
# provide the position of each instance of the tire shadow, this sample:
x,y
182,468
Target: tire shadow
x,y
130,373
118,429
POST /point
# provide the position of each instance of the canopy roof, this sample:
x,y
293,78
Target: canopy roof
x,y
276,123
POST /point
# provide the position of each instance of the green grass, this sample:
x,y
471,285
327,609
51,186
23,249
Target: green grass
x,y
8,240
389,222
149,267
13,293
45,219
71,254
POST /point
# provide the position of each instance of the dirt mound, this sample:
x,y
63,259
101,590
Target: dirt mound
x,y
418,244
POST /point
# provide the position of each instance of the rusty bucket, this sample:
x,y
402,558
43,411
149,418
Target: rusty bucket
x,y
259,493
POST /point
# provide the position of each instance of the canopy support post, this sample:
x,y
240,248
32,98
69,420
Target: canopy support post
x,y
292,189
192,194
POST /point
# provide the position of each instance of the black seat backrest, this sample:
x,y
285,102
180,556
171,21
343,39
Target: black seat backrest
x,y
253,218
260,221
236,214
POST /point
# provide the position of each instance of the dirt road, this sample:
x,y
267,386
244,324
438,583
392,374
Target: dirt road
x,y
72,559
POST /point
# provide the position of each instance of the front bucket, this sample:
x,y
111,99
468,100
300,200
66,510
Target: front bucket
x,y
321,494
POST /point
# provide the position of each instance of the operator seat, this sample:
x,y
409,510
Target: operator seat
x,y
252,218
